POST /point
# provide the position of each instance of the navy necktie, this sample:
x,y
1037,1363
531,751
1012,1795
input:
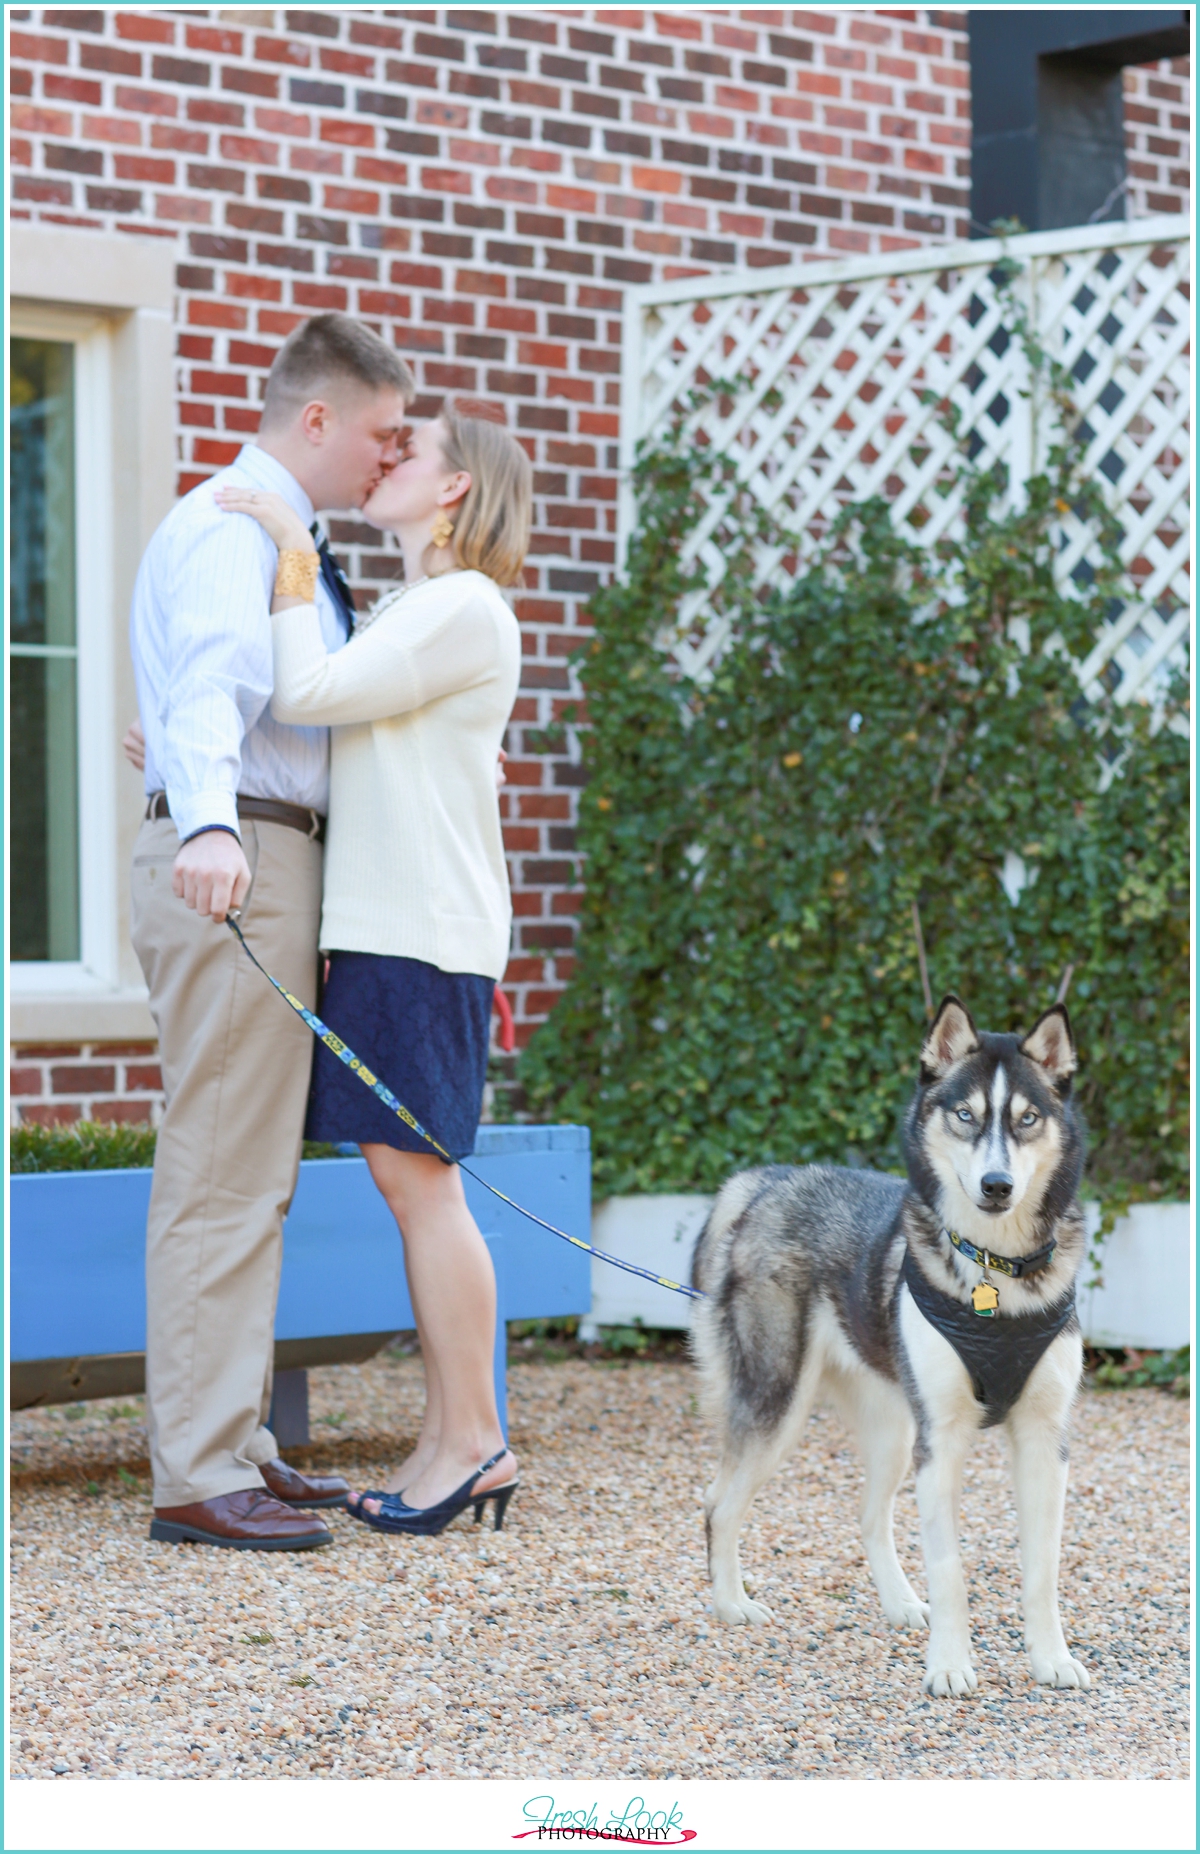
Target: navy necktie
x,y
336,583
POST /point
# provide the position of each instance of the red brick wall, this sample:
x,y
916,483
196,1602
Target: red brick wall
x,y
56,1083
1158,137
479,185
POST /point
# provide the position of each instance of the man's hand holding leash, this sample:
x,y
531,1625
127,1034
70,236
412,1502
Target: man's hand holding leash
x,y
211,873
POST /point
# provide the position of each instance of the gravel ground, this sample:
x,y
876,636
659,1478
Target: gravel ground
x,y
577,1642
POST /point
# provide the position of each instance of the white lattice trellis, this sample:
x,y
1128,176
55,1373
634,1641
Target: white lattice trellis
x,y
848,367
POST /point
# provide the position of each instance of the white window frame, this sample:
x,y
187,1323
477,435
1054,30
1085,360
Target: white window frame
x,y
97,970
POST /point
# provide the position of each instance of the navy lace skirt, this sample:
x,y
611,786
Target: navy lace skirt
x,y
425,1034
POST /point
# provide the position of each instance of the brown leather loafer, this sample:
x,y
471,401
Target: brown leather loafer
x,y
249,1520
296,1489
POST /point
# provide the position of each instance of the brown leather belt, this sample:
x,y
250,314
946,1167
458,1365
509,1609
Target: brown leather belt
x,y
269,810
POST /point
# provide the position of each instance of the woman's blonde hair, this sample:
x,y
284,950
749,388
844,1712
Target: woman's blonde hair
x,y
492,522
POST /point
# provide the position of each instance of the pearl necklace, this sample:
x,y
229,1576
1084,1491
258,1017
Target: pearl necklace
x,y
389,599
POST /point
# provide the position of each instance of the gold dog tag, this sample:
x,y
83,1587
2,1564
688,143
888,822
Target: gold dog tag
x,y
985,1300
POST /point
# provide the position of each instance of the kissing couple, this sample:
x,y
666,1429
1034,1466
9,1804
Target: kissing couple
x,y
333,776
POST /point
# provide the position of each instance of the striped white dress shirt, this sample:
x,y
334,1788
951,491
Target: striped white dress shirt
x,y
201,636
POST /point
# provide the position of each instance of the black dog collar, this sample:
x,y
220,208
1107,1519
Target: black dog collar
x,y
1026,1265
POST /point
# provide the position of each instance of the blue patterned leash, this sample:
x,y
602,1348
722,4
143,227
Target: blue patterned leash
x,y
345,1054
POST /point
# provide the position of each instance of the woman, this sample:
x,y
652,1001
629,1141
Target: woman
x,y
417,912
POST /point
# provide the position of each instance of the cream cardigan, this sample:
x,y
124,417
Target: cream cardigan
x,y
418,702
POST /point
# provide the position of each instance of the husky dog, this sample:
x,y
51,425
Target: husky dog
x,y
923,1312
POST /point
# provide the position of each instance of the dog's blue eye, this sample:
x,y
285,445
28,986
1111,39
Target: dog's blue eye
x,y
965,1114
1027,1120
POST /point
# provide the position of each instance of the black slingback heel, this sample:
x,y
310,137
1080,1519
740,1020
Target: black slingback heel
x,y
426,1521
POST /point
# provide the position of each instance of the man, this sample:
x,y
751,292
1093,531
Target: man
x,y
235,819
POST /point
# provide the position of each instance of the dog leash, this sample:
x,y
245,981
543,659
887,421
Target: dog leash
x,y
325,1035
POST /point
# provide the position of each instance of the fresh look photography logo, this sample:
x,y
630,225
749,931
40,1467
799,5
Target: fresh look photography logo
x,y
635,1825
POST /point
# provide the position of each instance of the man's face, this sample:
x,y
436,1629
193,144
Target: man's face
x,y
354,440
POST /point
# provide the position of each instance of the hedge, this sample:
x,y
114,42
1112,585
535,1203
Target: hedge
x,y
886,729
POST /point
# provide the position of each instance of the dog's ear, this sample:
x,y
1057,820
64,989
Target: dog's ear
x,y
1051,1045
951,1037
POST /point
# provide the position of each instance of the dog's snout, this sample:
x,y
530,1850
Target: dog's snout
x,y
997,1187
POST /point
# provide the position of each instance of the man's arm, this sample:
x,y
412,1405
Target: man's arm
x,y
220,682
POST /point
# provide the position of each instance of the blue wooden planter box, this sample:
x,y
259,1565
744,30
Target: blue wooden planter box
x,y
77,1268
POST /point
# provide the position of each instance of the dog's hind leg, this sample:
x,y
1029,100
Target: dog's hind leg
x,y
885,1433
747,1462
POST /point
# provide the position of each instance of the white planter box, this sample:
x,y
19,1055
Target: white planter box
x,y
1146,1299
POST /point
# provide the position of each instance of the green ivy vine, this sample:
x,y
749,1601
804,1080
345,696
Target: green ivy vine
x,y
886,728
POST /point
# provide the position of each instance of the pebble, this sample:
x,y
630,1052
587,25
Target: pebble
x,y
579,1641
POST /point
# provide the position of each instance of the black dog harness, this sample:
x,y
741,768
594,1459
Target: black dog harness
x,y
998,1354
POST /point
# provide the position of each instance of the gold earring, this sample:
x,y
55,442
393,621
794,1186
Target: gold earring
x,y
441,531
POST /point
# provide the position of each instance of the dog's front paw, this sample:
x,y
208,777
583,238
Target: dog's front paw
x,y
740,1610
950,1682
1059,1670
909,1614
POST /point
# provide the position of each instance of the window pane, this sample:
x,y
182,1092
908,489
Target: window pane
x,y
43,768
41,387
45,835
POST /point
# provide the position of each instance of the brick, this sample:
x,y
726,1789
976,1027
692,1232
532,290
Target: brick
x,y
82,1078
284,188
50,1114
144,26
70,89
228,250
250,149
144,168
181,71
146,1075
251,353
307,90
348,64
214,110
73,160
368,32
216,315
415,206
570,134
112,59
586,103
39,49
122,1112
214,39
72,19
687,153
113,129
432,45
146,102
250,83
319,296
381,103
474,84
253,218
214,451
284,257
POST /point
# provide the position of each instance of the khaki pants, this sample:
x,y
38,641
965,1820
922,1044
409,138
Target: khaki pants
x,y
235,1065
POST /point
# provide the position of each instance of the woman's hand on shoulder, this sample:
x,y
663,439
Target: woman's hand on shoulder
x,y
278,517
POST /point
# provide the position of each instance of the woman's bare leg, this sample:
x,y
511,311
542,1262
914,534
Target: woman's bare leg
x,y
423,1453
453,1288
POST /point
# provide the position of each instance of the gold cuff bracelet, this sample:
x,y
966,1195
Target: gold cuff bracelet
x,y
297,572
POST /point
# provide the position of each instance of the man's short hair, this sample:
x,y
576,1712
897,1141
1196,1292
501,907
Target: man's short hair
x,y
324,351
